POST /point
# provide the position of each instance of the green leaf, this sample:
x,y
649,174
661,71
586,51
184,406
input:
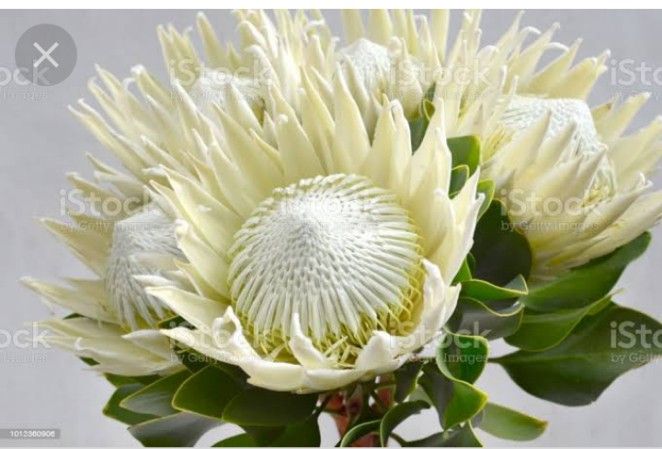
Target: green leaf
x,y
459,176
156,398
113,410
463,436
264,436
600,349
492,321
508,424
118,381
487,188
542,331
178,430
206,392
588,283
419,124
359,431
396,415
193,360
484,291
259,407
241,440
465,151
303,434
464,274
456,401
405,379
463,356
501,251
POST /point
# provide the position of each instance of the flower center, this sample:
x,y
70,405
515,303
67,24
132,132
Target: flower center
x,y
523,112
371,62
337,251
146,234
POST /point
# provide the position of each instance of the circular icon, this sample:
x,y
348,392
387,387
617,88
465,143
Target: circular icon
x,y
45,54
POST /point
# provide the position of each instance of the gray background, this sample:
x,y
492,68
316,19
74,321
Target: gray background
x,y
40,141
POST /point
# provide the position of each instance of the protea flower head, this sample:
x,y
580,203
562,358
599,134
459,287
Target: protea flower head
x,y
147,129
570,180
115,319
572,153
326,257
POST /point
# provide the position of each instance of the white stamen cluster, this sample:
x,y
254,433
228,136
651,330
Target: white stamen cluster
x,y
523,112
148,234
336,250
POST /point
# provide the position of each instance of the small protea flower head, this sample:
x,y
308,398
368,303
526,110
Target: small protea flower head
x,y
573,183
327,257
522,113
150,127
115,321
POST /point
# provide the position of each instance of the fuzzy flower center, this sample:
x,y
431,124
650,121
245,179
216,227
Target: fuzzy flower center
x,y
523,112
148,234
371,62
336,251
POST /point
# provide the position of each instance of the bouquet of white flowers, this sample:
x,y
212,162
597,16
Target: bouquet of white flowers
x,y
310,226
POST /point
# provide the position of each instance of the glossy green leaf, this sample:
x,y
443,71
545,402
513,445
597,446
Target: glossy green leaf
x,y
180,429
240,440
484,291
405,379
587,283
259,407
464,356
262,435
456,401
156,398
465,151
419,124
112,409
459,176
461,436
509,424
464,274
359,431
206,392
600,349
118,381
302,434
501,251
542,331
476,318
396,415
487,188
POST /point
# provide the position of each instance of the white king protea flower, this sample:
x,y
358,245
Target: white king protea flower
x,y
573,183
327,257
115,319
153,127
540,141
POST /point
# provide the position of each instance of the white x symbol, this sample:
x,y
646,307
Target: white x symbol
x,y
46,54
